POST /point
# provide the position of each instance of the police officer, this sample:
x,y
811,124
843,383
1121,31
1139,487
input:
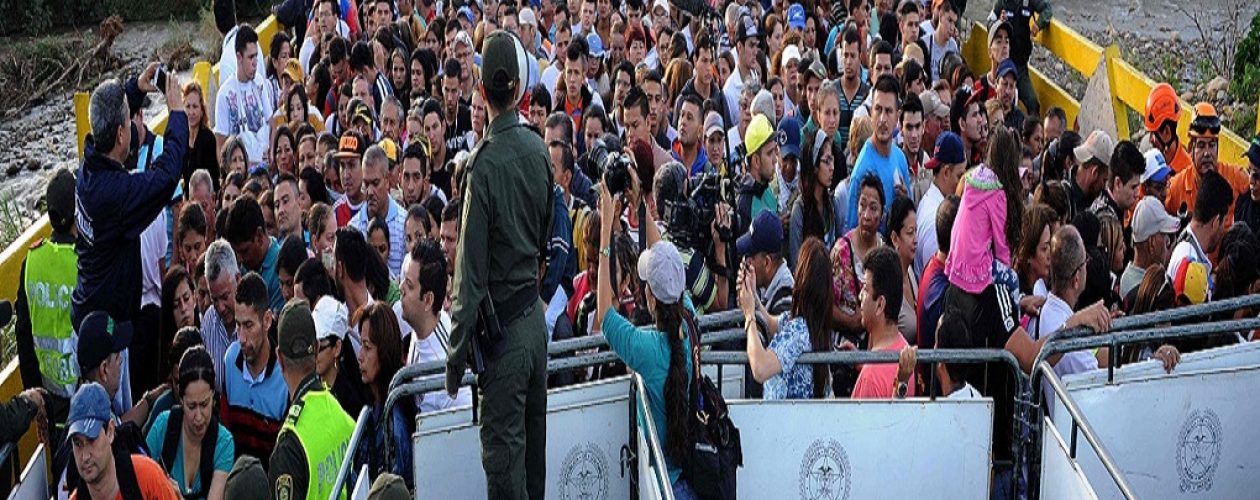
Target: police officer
x,y
502,248
316,431
45,337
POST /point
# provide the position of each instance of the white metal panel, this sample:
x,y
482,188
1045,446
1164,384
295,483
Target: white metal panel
x,y
1061,477
587,426
1189,434
34,482
855,449
732,381
648,489
363,486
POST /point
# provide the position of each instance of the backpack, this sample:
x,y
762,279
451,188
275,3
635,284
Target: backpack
x,y
170,446
716,452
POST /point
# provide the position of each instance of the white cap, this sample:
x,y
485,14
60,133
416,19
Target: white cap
x,y
1149,217
526,16
1156,167
661,267
330,318
790,53
661,3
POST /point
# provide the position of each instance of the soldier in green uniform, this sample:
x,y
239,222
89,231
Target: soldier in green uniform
x,y
316,431
507,204
45,336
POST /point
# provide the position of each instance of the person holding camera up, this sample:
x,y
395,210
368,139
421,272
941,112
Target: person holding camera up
x,y
678,210
504,235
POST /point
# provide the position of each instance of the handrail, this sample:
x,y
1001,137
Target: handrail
x,y
1044,372
597,341
347,462
655,455
1055,345
1166,316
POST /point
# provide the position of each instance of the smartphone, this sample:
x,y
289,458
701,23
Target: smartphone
x,y
159,78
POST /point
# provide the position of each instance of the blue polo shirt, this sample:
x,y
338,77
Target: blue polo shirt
x,y
270,274
265,394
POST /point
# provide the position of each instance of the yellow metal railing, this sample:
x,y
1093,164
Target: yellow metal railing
x,y
1129,86
14,255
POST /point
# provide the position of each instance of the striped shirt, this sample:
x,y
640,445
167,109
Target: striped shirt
x,y
217,338
395,220
436,347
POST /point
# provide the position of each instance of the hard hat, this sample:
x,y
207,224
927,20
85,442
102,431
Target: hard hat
x,y
1161,105
1206,123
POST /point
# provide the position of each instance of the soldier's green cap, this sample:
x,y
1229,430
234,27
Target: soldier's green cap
x,y
248,481
296,331
504,67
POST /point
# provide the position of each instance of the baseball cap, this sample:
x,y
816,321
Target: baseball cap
x,y
362,113
790,53
949,151
1156,167
293,68
296,330
1191,282
351,145
932,104
594,46
1097,147
247,481
527,16
1149,217
90,408
765,235
713,124
1253,152
331,318
100,336
1000,24
503,67
758,134
661,267
388,487
789,137
664,4
1006,67
466,13
796,16
747,29
391,149
818,69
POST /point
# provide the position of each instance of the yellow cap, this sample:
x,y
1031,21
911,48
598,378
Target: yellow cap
x,y
1191,281
759,132
391,149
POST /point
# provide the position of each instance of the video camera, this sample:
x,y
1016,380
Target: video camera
x,y
689,218
608,163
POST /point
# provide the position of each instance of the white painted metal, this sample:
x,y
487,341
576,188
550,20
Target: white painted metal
x,y
33,484
1061,477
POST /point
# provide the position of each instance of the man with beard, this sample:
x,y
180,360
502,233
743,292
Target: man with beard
x,y
255,395
106,472
1183,189
687,148
878,155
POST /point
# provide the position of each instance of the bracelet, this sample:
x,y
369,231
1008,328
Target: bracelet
x,y
606,251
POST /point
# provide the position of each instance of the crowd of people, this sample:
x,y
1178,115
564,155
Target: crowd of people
x,y
216,304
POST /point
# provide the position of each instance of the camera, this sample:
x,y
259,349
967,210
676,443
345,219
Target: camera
x,y
689,218
605,159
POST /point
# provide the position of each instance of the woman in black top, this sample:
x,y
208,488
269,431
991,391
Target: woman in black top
x,y
201,143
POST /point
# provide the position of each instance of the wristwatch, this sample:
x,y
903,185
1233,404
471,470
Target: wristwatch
x,y
902,389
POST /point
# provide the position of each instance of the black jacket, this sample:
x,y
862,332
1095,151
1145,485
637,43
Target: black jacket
x,y
113,206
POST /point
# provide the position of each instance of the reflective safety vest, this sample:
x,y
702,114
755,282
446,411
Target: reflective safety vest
x,y
323,428
51,273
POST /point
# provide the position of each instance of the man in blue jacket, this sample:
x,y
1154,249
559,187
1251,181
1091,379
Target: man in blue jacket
x,y
115,204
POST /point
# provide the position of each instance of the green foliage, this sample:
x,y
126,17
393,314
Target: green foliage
x,y
39,17
1245,84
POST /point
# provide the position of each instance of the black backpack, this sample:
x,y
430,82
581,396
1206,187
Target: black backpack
x,y
716,451
170,446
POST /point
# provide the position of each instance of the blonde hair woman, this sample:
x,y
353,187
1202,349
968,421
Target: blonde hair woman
x,y
201,143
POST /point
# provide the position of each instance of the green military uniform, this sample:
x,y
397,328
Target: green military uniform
x,y
314,438
505,227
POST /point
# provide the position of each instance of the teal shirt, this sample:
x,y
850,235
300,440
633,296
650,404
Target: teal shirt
x,y
224,453
767,201
269,272
646,351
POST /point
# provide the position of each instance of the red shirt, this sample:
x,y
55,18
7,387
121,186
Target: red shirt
x,y
875,380
154,485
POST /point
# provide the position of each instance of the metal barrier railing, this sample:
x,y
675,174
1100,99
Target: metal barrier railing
x,y
927,356
1165,316
1080,425
729,326
347,462
656,457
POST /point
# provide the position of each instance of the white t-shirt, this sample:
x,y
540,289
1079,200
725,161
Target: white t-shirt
x,y
153,243
244,109
435,347
926,232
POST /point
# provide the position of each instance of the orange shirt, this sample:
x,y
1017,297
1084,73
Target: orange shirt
x,y
1184,186
1180,161
154,485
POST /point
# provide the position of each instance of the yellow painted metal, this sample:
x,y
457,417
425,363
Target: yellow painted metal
x,y
1118,109
1075,49
1050,94
82,127
201,74
12,257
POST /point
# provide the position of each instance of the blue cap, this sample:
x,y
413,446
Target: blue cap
x,y
1007,66
1253,152
949,151
466,13
789,137
99,337
595,46
765,235
89,410
796,16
